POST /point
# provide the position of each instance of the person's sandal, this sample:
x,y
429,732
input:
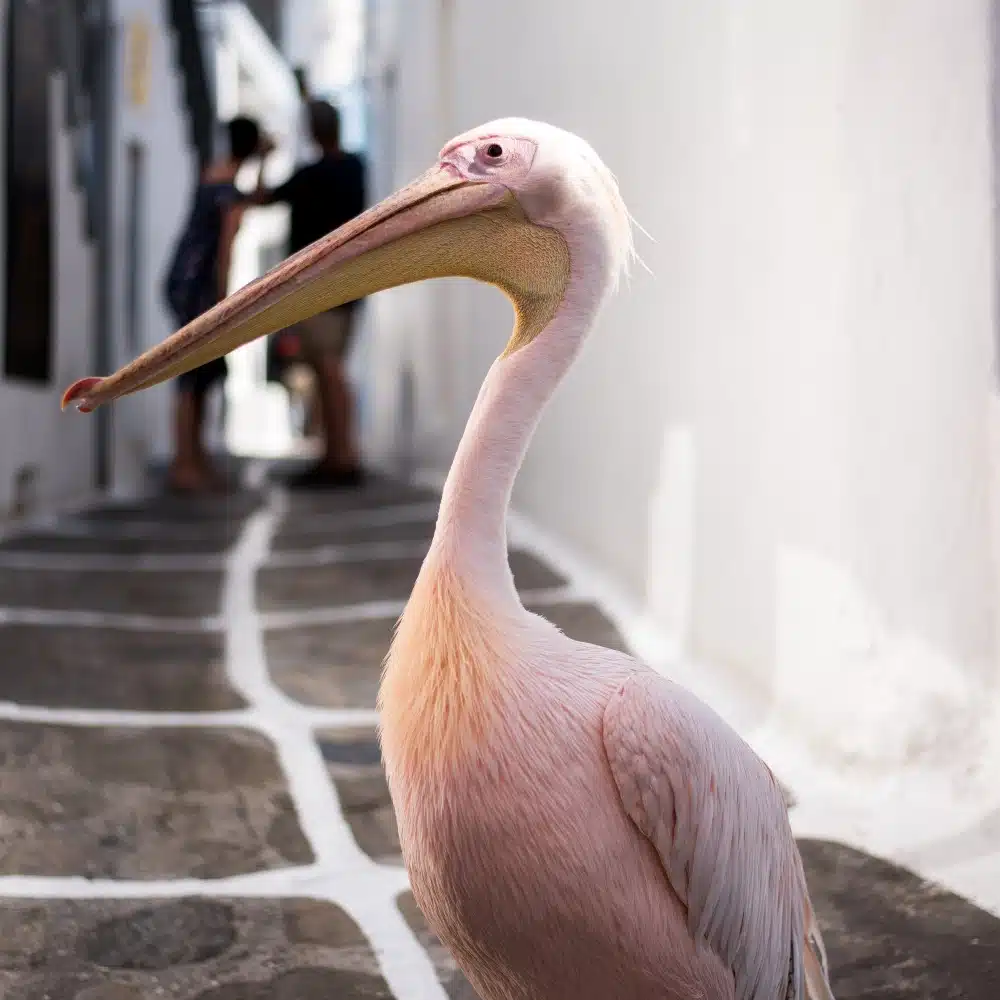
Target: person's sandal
x,y
187,485
319,477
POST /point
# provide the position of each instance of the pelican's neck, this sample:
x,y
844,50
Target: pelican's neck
x,y
471,530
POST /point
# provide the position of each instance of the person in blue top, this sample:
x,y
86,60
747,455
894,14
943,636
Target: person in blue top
x,y
322,196
198,278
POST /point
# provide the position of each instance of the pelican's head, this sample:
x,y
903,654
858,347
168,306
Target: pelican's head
x,y
519,204
558,181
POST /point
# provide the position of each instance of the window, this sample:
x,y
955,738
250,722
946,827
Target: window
x,y
135,260
29,247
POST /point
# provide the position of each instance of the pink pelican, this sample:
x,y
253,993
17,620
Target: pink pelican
x,y
575,826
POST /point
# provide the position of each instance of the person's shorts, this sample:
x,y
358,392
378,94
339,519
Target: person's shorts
x,y
326,334
201,379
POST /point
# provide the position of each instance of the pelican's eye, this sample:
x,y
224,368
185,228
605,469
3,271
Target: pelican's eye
x,y
492,154
505,159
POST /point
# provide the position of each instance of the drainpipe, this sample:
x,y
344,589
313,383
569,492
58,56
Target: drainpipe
x,y
106,67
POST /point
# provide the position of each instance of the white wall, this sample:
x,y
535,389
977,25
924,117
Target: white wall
x,y
34,434
412,329
325,37
780,445
142,422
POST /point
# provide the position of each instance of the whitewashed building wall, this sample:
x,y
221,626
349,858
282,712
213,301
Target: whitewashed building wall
x,y
781,447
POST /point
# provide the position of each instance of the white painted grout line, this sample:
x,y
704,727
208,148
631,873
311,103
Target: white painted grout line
x,y
55,617
322,555
13,528
345,614
269,620
408,970
329,555
365,517
319,718
254,475
150,531
373,610
276,883
102,717
166,531
277,714
337,718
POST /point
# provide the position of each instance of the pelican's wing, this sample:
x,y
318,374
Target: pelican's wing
x,y
717,818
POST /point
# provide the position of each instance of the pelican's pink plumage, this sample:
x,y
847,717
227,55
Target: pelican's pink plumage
x,y
575,826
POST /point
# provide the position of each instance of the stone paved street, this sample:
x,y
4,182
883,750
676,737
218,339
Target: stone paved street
x,y
192,800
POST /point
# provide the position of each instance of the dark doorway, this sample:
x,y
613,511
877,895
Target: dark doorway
x,y
29,249
135,261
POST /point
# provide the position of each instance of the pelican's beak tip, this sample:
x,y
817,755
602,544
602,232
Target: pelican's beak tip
x,y
75,393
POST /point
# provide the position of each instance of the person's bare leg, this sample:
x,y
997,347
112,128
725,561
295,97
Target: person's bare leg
x,y
186,470
339,465
211,476
337,413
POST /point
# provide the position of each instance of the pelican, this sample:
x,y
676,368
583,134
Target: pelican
x,y
575,826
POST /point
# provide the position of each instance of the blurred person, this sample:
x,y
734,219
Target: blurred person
x,y
199,278
322,196
306,150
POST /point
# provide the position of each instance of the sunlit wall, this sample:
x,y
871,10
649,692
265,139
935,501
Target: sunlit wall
x,y
780,446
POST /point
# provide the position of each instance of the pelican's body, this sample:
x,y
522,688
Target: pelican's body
x,y
574,825
518,849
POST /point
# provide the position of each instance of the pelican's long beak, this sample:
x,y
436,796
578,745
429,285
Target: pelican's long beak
x,y
440,225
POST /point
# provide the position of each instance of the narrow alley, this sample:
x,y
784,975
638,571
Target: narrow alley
x,y
773,472
193,800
